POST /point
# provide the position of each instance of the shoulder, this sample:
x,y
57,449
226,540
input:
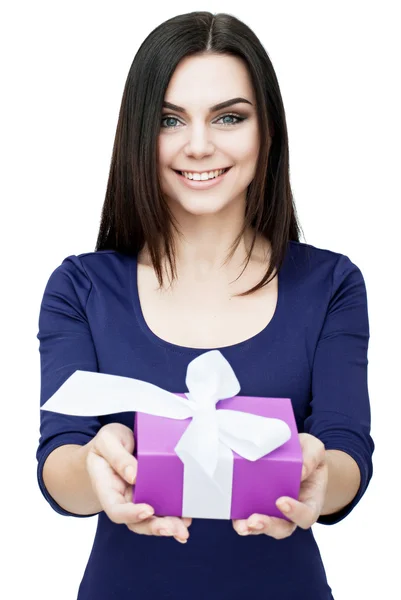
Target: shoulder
x,y
304,251
312,259
79,273
322,273
92,264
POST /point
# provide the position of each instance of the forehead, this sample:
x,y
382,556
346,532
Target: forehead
x,y
199,82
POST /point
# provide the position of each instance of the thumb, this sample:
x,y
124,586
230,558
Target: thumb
x,y
115,443
124,434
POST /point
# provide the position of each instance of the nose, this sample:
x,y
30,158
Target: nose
x,y
199,142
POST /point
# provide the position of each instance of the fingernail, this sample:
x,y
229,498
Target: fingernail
x,y
145,514
243,529
180,540
256,525
165,532
284,506
129,474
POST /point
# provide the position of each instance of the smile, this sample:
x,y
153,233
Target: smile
x,y
202,180
204,175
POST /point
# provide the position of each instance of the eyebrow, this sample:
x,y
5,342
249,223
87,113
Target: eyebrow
x,y
214,108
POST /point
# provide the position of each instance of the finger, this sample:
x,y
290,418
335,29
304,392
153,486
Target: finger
x,y
113,448
241,526
257,524
162,526
272,526
106,483
179,530
306,510
313,453
303,515
114,495
313,490
129,513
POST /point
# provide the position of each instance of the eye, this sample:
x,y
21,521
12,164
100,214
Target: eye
x,y
232,116
170,118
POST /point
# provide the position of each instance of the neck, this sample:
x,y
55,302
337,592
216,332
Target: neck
x,y
202,248
206,244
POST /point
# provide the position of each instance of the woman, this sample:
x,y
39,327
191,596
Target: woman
x,y
198,249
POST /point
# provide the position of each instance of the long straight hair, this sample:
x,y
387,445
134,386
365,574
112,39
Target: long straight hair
x,y
134,212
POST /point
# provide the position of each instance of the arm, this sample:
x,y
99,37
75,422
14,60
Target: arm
x,y
66,479
344,480
336,444
66,345
340,408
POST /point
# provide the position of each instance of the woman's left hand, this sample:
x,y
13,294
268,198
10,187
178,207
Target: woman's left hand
x,y
303,512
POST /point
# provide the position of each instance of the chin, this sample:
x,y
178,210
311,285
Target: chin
x,y
201,206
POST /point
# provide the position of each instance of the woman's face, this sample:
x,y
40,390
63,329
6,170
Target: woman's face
x,y
200,138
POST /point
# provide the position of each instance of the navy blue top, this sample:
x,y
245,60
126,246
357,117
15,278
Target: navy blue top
x,y
314,351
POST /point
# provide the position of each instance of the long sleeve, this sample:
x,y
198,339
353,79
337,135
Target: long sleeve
x,y
66,345
340,408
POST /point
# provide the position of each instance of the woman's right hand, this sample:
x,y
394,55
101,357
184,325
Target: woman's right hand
x,y
112,470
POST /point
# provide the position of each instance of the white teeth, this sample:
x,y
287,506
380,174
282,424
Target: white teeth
x,y
203,176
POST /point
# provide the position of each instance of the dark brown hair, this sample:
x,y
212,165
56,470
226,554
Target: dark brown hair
x,y
134,212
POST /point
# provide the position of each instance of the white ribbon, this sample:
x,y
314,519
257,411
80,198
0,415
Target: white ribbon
x,y
206,446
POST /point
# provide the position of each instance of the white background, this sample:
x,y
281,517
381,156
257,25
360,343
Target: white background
x,y
64,66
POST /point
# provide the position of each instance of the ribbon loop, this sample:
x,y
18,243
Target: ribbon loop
x,y
210,378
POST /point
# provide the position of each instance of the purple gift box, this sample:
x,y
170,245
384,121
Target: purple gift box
x,y
256,485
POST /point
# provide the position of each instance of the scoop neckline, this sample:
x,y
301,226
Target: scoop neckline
x,y
244,344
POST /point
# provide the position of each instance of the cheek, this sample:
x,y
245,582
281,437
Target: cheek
x,y
245,147
164,150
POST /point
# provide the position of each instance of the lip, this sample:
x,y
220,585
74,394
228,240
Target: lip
x,y
204,170
201,185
